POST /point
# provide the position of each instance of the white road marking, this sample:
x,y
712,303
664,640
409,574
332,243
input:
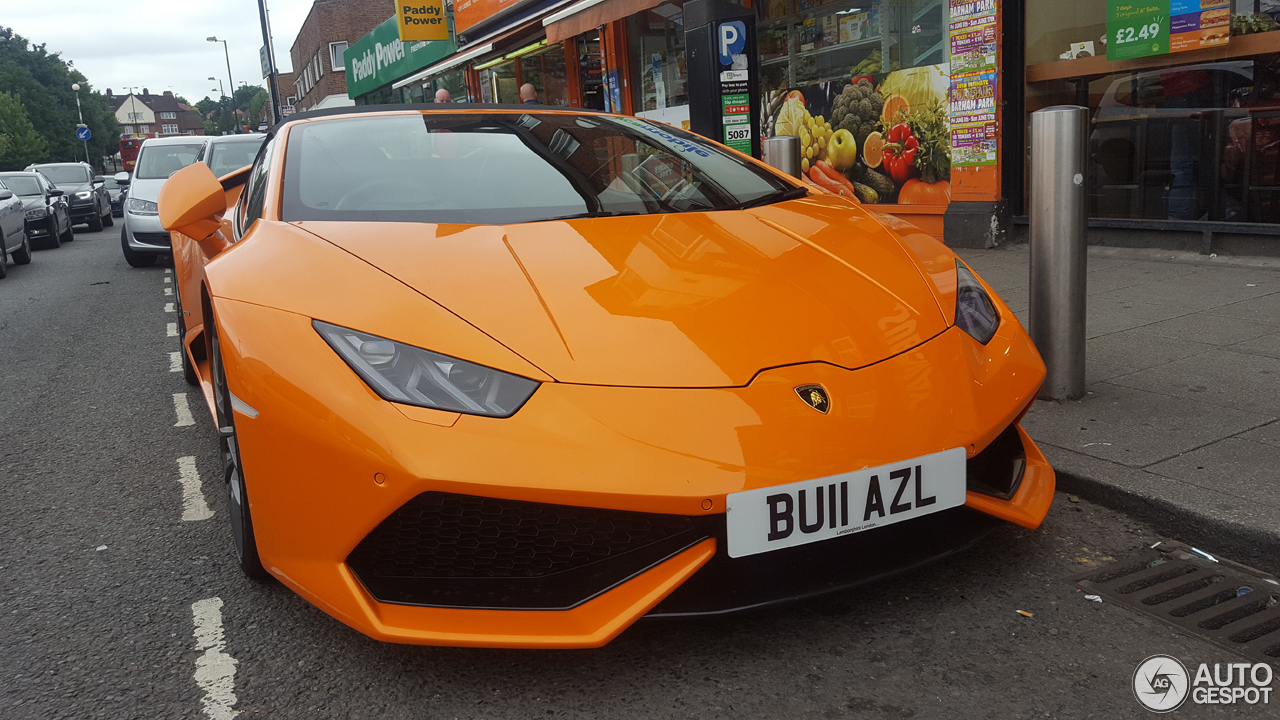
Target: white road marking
x,y
172,330
168,279
168,271
175,362
215,669
193,504
184,411
168,291
168,307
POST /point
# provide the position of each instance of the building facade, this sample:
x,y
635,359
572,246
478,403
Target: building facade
x,y
318,54
1185,123
147,115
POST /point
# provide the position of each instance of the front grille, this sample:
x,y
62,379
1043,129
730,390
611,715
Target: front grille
x,y
449,550
160,238
997,470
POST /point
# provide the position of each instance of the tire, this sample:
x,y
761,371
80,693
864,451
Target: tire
x,y
242,535
54,240
4,261
133,257
22,255
95,222
109,219
188,370
70,234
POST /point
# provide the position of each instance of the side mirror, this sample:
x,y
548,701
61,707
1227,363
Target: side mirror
x,y
192,202
5,194
97,179
55,192
122,178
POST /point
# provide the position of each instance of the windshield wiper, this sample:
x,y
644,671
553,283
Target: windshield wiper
x,y
794,193
592,214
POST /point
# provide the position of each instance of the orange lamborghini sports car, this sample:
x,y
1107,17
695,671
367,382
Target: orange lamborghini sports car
x,y
519,376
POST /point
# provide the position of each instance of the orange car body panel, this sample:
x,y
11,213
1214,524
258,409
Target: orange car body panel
x,y
590,308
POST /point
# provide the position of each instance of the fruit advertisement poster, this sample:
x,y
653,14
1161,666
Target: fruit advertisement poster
x,y
882,143
971,99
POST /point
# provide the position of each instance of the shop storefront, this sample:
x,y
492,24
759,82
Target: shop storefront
x,y
379,59
1185,133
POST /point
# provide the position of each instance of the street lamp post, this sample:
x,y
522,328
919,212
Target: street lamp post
x,y
75,87
231,81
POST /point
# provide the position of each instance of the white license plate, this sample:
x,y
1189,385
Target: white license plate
x,y
799,513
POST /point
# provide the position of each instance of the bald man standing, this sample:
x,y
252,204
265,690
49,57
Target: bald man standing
x,y
528,94
442,96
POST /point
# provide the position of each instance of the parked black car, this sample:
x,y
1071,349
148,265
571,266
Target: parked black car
x,y
118,188
47,217
87,195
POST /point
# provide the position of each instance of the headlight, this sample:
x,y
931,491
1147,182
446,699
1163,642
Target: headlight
x,y
413,376
84,195
975,313
36,213
138,206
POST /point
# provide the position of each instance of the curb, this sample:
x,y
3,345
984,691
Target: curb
x,y
1241,543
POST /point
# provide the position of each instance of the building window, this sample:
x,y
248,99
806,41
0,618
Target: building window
x,y
144,129
292,100
127,129
336,52
135,117
169,129
168,116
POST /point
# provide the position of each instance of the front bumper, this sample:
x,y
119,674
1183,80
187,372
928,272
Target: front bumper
x,y
41,228
327,462
82,211
145,234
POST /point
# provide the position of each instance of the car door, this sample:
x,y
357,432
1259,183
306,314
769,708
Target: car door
x,y
57,206
12,219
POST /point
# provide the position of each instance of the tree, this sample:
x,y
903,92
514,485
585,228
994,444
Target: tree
x,y
43,81
20,144
255,107
244,95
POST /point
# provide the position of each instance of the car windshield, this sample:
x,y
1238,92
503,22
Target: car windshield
x,y
21,185
232,155
505,168
64,175
110,184
158,162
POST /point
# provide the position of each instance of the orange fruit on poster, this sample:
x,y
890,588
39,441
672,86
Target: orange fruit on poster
x,y
873,150
892,105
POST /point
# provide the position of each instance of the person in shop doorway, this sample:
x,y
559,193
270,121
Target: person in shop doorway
x,y
528,94
442,96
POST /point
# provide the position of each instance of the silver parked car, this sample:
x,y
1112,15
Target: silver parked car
x,y
227,153
13,231
143,238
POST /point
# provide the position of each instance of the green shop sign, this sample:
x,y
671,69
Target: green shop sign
x,y
1137,29
379,58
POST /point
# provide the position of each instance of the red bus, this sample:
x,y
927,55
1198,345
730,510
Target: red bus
x,y
129,152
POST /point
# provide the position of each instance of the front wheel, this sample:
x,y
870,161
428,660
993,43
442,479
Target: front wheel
x,y
108,219
188,370
133,257
22,255
54,240
232,467
95,222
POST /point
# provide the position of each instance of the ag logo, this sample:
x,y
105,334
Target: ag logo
x,y
731,38
1161,683
816,397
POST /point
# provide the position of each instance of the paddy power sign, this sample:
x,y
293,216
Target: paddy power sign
x,y
380,58
421,20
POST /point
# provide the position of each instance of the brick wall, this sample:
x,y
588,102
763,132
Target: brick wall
x,y
330,21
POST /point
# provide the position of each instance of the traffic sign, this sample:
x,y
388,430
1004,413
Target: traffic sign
x,y
82,133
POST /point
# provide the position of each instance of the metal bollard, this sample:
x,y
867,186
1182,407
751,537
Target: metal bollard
x,y
783,153
1059,137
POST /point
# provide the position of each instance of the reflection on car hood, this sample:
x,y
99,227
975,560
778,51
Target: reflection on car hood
x,y
32,201
673,300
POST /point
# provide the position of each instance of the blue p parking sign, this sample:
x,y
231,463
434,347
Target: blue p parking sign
x,y
83,133
731,38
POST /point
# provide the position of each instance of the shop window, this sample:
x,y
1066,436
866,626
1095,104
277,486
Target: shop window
x,y
498,84
656,41
454,82
591,70
547,73
1169,139
838,75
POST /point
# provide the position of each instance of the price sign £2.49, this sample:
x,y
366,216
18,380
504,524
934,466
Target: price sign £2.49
x,y
1137,29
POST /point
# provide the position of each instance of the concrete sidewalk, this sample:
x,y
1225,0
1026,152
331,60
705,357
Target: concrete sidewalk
x,y
1180,426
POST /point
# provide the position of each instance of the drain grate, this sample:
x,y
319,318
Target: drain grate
x,y
1228,604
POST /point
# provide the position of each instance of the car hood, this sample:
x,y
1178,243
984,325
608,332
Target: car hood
x,y
145,189
73,188
30,202
669,300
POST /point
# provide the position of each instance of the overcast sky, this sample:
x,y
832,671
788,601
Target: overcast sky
x,y
159,45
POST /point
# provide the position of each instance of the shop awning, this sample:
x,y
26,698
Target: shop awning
x,y
443,66
589,14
